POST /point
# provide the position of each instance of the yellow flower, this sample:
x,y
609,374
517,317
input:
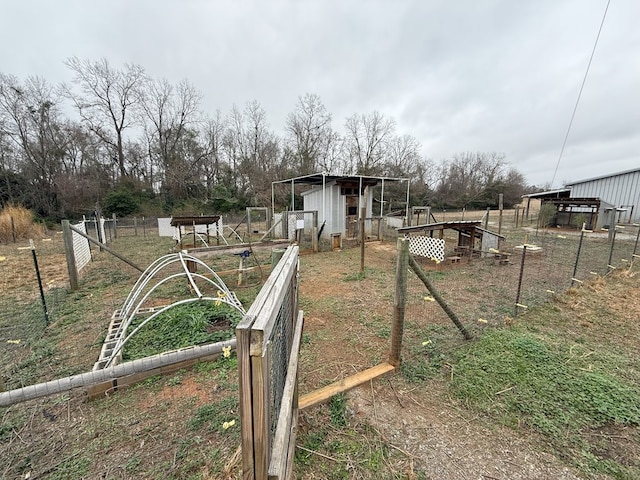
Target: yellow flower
x,y
221,295
430,299
226,351
227,425
428,342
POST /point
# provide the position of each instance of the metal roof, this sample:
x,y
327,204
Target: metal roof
x,y
633,170
548,193
320,178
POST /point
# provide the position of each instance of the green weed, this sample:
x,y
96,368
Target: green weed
x,y
182,326
212,417
524,379
338,410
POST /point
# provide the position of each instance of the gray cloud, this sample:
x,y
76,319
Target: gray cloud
x,y
492,75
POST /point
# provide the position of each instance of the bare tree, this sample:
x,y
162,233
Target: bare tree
x,y
171,115
105,100
309,136
215,168
402,156
366,142
253,150
475,179
30,118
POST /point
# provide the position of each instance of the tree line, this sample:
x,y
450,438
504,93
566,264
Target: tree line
x,y
117,138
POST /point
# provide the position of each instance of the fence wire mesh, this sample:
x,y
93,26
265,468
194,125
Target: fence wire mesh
x,y
485,289
281,340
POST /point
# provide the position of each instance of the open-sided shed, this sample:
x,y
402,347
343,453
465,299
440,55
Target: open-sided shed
x,y
338,199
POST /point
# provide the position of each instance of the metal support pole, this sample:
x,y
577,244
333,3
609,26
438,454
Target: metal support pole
x,y
524,254
44,302
635,247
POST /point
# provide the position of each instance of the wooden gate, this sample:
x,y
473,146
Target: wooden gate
x,y
268,343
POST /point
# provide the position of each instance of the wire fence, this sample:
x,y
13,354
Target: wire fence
x,y
530,268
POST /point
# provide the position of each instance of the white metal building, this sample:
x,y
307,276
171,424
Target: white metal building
x,y
620,190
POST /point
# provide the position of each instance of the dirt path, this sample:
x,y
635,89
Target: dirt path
x,y
446,442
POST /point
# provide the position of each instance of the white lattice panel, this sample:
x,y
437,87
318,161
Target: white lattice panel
x,y
427,247
81,249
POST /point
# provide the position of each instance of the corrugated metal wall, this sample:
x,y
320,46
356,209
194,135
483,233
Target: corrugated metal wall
x,y
621,190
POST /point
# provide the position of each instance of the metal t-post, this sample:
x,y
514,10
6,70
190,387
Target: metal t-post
x,y
575,266
44,302
524,254
613,243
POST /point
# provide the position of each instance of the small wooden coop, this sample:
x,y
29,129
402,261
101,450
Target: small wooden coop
x,y
204,226
472,240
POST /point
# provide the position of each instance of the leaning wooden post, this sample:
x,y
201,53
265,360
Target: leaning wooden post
x,y
399,302
67,236
436,296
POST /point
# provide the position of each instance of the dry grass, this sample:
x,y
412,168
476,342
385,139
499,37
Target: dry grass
x,y
16,223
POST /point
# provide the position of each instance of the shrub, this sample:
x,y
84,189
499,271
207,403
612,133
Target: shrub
x,y
121,202
23,224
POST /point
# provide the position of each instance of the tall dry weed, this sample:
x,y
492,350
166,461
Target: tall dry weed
x,y
16,221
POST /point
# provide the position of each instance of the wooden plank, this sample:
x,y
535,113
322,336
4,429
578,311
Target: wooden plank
x,y
261,401
265,320
201,252
243,345
325,393
282,437
261,298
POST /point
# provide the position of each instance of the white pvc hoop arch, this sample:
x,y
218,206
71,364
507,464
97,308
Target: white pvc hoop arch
x,y
133,302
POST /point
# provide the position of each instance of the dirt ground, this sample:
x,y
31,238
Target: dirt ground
x,y
346,330
17,269
431,429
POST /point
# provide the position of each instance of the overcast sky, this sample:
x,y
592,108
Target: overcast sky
x,y
474,75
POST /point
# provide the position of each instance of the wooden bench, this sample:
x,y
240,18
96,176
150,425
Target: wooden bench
x,y
453,259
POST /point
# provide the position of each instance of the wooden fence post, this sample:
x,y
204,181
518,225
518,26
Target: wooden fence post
x,y
67,236
363,236
399,302
501,207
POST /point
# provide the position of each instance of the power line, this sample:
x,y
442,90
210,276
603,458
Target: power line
x,y
584,80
